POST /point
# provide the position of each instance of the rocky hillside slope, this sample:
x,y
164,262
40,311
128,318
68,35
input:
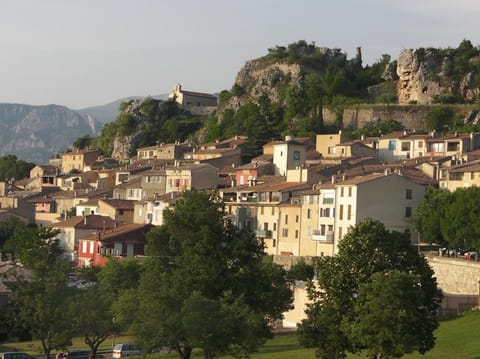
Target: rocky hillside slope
x,y
143,122
35,133
424,75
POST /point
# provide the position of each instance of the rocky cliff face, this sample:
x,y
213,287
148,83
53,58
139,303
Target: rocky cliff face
x,y
35,133
423,75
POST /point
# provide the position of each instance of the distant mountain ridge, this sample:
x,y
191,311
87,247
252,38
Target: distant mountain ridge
x,y
109,112
35,133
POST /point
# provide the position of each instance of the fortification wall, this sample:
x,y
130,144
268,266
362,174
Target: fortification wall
x,y
412,117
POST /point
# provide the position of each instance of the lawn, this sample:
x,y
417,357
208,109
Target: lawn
x,y
457,338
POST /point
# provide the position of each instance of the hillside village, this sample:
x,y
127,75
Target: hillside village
x,y
300,197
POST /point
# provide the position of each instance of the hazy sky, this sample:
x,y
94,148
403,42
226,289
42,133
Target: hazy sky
x,y
90,52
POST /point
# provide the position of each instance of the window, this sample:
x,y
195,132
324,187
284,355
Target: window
x,y
274,226
420,144
285,232
472,175
274,243
286,219
341,191
408,194
308,213
453,146
405,146
341,212
296,233
391,145
331,150
261,210
349,212
322,229
339,232
408,212
324,212
273,211
296,218
349,191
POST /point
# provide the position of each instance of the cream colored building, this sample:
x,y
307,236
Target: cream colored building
x,y
151,210
260,208
193,176
462,175
288,155
399,146
164,151
78,159
190,98
389,198
318,221
289,228
327,143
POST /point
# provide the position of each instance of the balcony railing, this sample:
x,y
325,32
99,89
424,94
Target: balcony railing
x,y
263,234
324,238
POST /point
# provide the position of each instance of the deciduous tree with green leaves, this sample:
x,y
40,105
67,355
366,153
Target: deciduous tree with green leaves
x,y
350,312
430,214
207,284
40,300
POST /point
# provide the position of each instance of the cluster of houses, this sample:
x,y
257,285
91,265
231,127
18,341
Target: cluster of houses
x,y
300,197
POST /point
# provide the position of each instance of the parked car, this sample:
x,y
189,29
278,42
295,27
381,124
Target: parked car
x,y
15,355
77,354
126,349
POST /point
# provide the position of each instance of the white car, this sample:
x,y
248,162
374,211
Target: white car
x,y
126,349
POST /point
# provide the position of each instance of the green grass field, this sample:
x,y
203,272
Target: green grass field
x,y
457,338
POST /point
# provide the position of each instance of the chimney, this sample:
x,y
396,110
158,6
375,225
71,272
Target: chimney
x,y
333,179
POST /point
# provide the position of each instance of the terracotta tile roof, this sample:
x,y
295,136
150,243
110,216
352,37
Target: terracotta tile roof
x,y
263,158
473,166
119,203
132,183
128,230
267,187
82,193
92,221
253,165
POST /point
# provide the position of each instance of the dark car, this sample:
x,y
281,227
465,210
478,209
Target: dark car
x,y
15,355
78,354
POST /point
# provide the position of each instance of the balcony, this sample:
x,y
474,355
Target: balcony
x,y
263,234
323,238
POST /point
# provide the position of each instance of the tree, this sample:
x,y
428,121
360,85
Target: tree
x,y
439,119
339,320
13,168
389,298
96,321
460,223
39,300
430,214
201,269
82,142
